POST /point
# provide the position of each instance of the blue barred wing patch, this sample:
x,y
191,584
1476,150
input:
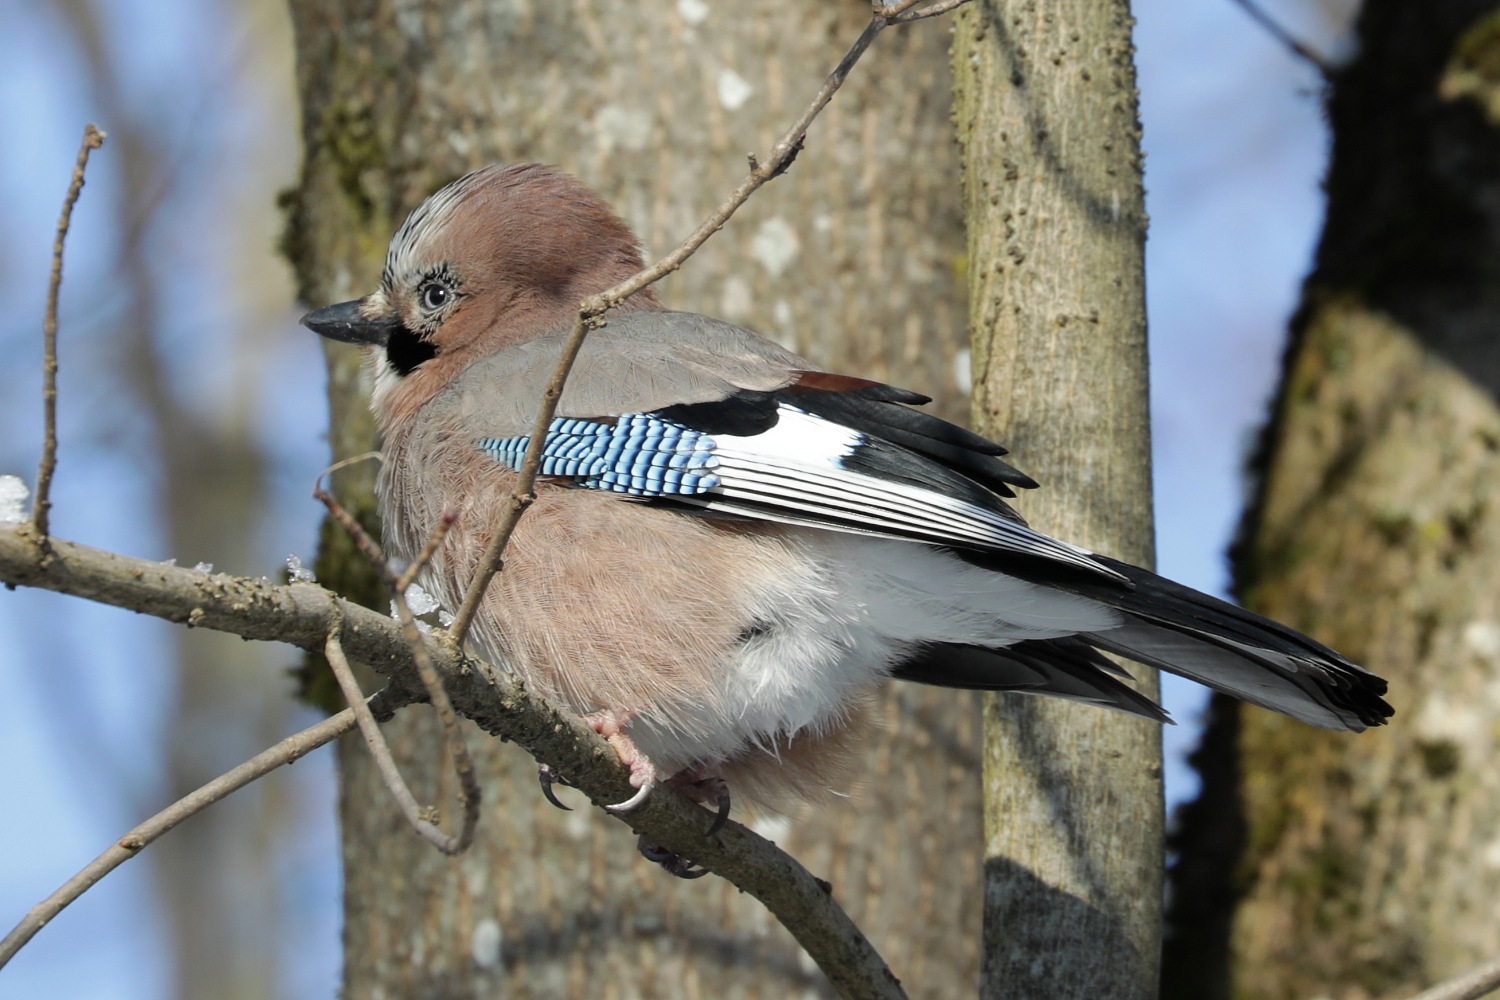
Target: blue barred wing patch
x,y
639,454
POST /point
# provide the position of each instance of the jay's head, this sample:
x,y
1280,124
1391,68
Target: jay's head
x,y
498,257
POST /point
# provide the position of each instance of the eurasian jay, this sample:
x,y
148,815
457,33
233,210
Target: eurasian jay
x,y
730,548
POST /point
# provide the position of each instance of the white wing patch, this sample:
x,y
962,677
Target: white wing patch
x,y
804,469
795,472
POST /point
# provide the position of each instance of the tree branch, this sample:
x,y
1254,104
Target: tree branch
x,y
497,701
1479,981
304,614
42,507
902,13
1285,37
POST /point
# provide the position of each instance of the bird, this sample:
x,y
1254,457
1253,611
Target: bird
x,y
731,548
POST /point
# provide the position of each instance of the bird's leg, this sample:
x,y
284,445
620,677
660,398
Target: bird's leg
x,y
610,724
702,787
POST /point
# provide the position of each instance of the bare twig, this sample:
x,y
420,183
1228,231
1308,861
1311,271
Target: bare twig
x,y
902,13
381,751
1479,981
303,613
379,456
463,763
128,846
1285,37
367,546
445,524
941,7
890,11
42,507
592,308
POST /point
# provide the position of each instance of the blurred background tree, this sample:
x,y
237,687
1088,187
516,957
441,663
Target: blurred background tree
x,y
1323,864
1236,144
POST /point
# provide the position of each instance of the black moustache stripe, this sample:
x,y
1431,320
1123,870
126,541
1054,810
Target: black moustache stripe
x,y
406,350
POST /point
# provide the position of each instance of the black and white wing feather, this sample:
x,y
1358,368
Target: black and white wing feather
x,y
771,456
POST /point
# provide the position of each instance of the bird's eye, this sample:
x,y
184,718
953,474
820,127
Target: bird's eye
x,y
435,296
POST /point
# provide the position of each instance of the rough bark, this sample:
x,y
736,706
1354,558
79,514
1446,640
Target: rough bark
x,y
1046,115
850,259
1373,862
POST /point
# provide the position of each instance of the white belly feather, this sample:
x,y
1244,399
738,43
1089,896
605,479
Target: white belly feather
x,y
836,626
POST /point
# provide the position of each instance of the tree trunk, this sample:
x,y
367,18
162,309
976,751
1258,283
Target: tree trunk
x,y
1046,113
851,259
1373,862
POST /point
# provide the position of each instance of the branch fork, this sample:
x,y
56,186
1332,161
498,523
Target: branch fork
x,y
422,819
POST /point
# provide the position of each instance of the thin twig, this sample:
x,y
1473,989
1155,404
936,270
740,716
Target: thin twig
x,y
1479,981
589,311
353,460
381,751
445,524
463,763
902,13
1285,37
367,546
891,11
128,846
941,7
92,140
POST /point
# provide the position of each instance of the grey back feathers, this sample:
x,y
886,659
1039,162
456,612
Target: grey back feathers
x,y
636,363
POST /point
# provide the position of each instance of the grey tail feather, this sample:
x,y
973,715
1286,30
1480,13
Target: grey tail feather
x,y
1237,652
1172,628
1061,668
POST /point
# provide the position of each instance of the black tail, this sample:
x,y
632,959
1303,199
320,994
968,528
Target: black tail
x,y
1062,668
1173,628
1238,652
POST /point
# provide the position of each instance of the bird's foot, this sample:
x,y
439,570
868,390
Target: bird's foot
x,y
707,789
673,864
611,725
548,778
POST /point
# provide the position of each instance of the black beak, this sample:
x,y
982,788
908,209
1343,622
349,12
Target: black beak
x,y
345,322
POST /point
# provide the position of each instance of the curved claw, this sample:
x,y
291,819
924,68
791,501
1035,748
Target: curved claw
x,y
723,815
672,864
548,779
632,803
683,868
652,851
